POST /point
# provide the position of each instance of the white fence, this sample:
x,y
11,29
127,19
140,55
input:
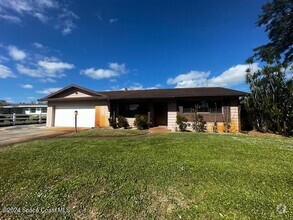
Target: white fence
x,y
21,119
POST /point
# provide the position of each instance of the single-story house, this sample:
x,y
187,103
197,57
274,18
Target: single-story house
x,y
27,109
160,105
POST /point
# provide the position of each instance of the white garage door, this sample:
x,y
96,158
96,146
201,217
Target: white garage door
x,y
64,116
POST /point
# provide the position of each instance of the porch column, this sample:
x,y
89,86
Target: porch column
x,y
112,108
117,109
50,116
172,114
151,114
235,118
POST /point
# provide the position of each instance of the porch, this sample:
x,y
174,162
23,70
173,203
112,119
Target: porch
x,y
163,112
159,112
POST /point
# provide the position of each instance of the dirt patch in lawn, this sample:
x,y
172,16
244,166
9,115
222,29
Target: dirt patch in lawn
x,y
257,133
166,203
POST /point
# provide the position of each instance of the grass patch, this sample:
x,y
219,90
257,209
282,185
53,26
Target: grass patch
x,y
171,176
100,132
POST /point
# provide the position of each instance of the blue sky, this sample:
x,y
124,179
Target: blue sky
x,y
111,44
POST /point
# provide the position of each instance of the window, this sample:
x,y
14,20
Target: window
x,y
215,107
132,109
44,110
188,107
33,110
202,106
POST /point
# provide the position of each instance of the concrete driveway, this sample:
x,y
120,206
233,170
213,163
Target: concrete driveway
x,y
23,133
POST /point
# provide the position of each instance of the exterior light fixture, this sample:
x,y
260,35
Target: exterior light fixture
x,y
75,120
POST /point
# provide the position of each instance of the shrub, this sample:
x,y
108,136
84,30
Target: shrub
x,y
141,122
122,122
181,122
199,124
33,118
113,122
227,126
215,127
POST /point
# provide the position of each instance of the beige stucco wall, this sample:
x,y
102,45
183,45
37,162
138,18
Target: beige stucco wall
x,y
52,105
77,94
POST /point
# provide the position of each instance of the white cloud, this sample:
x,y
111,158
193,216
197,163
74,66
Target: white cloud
x,y
113,20
28,71
137,86
121,68
48,91
66,24
27,86
288,72
43,18
35,8
52,67
157,86
99,15
191,79
233,76
5,72
113,80
46,69
38,45
99,73
46,80
14,10
10,18
16,53
9,100
114,70
3,59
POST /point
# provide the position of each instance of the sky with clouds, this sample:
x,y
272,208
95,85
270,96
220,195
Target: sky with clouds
x,y
109,45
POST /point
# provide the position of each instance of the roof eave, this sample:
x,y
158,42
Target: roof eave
x,y
47,98
93,98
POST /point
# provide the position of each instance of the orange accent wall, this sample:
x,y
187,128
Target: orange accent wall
x,y
101,119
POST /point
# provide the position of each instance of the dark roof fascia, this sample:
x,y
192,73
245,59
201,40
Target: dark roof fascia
x,y
48,97
79,99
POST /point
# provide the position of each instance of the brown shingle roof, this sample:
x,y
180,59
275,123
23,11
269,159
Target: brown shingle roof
x,y
140,94
172,93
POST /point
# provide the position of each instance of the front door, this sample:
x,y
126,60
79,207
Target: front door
x,y
160,113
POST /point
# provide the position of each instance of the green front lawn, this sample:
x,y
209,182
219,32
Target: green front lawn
x,y
173,176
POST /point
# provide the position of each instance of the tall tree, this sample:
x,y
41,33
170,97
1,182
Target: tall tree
x,y
270,101
277,17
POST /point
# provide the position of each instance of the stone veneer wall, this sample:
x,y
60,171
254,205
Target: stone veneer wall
x,y
235,118
172,114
